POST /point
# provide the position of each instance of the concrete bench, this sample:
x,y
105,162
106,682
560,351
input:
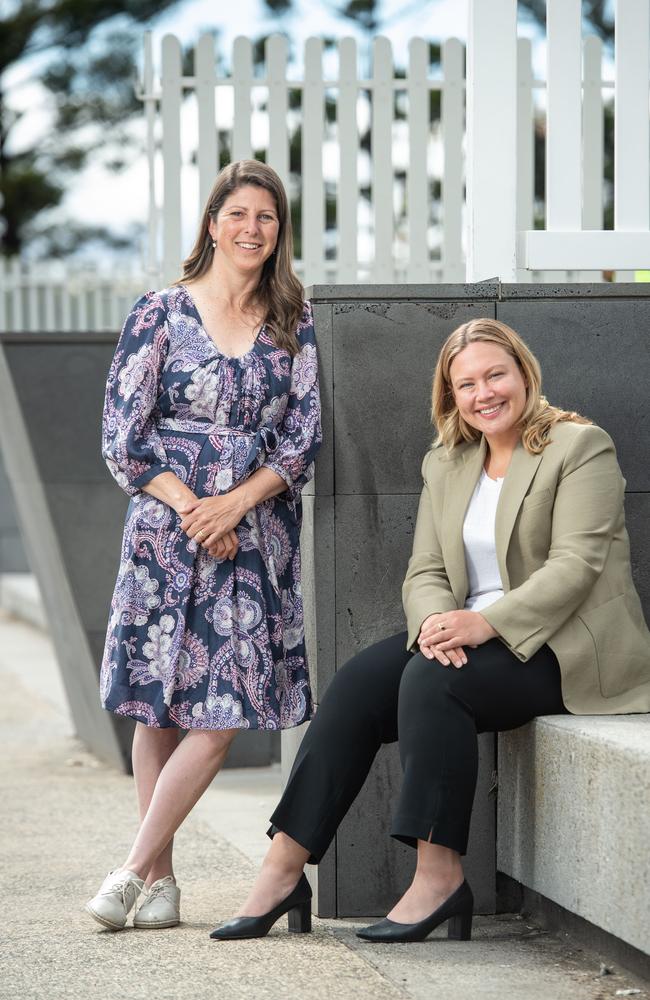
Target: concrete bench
x,y
573,817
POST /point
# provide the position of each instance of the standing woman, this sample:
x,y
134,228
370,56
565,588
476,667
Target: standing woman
x,y
211,425
519,602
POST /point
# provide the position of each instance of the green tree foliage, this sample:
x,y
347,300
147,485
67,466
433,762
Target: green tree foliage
x,y
83,54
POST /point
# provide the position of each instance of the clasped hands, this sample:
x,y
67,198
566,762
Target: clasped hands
x,y
459,628
211,521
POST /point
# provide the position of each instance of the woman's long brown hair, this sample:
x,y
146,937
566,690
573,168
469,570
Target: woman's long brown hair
x,y
279,294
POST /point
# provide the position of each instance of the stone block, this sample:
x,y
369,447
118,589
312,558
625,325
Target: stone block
x,y
324,479
374,535
61,388
89,519
572,817
374,869
384,357
594,360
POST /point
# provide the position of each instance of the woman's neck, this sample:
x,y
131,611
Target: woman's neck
x,y
230,286
499,454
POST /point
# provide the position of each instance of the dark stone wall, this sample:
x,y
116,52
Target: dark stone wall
x,y
378,347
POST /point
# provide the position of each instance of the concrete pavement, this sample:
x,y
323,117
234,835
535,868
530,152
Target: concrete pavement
x,y
67,818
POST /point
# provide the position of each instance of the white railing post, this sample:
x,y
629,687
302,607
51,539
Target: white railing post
x,y
593,141
593,129
150,127
208,157
382,160
491,139
453,115
313,188
276,70
242,78
525,136
348,145
631,124
417,191
563,116
171,145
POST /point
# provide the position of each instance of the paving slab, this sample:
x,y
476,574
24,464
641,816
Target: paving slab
x,y
67,818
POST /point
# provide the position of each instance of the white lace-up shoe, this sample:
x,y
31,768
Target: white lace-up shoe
x,y
161,907
117,896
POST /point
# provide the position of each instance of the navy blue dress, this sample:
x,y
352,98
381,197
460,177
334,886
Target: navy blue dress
x,y
194,641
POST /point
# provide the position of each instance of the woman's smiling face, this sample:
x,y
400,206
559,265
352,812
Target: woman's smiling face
x,y
246,227
489,389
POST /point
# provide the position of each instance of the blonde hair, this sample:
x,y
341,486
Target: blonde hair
x,y
279,292
538,416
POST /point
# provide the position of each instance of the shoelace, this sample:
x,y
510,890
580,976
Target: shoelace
x,y
160,889
123,887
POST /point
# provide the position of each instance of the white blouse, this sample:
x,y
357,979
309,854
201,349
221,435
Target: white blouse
x,y
484,578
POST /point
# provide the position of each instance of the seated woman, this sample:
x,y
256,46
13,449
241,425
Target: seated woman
x,y
519,602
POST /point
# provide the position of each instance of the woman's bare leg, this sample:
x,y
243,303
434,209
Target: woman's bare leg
x,y
280,871
180,784
438,873
152,748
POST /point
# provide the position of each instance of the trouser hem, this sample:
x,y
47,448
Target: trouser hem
x,y
409,829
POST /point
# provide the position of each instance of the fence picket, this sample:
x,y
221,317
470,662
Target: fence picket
x,y
525,136
206,79
4,282
382,160
16,295
631,127
593,153
242,79
491,179
276,70
171,144
452,130
313,188
563,116
417,195
348,143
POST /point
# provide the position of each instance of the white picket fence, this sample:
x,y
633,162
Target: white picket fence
x,y
417,225
60,298
412,235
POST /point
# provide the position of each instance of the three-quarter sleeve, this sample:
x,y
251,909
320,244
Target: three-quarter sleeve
x,y
299,435
131,445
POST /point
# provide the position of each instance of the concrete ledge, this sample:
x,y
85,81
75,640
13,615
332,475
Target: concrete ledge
x,y
573,817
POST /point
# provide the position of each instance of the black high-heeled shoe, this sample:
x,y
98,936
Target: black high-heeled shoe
x,y
297,905
457,909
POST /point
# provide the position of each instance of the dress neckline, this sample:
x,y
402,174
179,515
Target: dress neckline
x,y
222,354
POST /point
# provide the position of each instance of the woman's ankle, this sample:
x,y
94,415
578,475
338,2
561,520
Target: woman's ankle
x,y
286,856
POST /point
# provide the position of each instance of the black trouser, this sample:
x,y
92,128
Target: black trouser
x,y
386,693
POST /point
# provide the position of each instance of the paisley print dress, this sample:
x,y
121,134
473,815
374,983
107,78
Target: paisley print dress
x,y
194,641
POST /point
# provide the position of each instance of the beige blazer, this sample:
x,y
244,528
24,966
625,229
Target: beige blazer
x,y
564,558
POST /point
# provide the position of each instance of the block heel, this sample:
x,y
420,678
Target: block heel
x,y
297,905
300,918
457,909
459,927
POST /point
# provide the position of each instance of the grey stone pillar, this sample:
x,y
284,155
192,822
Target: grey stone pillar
x,y
378,347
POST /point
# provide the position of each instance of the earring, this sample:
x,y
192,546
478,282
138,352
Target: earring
x,y
214,244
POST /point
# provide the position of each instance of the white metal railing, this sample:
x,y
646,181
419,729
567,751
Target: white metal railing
x,y
413,232
58,298
574,234
411,235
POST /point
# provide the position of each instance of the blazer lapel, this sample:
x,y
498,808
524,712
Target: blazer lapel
x,y
459,486
523,467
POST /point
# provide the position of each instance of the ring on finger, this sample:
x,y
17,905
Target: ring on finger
x,y
441,627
